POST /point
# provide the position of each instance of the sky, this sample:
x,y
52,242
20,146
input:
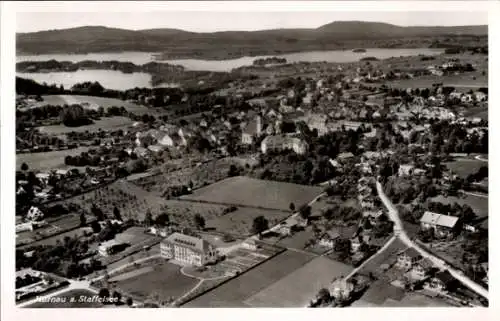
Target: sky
x,y
203,21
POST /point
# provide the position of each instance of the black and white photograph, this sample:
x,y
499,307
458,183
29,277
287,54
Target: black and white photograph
x,y
249,159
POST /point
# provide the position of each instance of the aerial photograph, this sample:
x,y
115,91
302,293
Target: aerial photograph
x,y
269,159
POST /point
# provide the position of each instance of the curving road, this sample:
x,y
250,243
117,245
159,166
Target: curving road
x,y
401,233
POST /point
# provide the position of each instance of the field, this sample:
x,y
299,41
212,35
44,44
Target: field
x,y
105,123
388,256
93,101
478,204
462,82
257,193
164,282
235,292
463,167
240,221
47,160
69,223
67,304
299,287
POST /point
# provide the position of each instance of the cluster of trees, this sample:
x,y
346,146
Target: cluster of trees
x,y
26,280
84,159
61,258
270,60
406,190
347,214
446,137
74,116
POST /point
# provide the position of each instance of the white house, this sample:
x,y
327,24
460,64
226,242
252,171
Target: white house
x,y
279,143
34,214
188,250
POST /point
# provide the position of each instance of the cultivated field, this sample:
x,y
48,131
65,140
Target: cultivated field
x,y
463,167
105,123
235,292
257,193
478,204
47,160
297,288
68,304
240,221
163,283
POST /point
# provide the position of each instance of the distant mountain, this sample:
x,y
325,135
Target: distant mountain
x,y
230,44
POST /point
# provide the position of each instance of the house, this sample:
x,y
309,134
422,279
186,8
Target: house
x,y
156,148
141,151
441,282
341,289
22,227
356,243
443,225
280,142
480,96
188,250
109,247
484,267
407,258
34,214
250,244
43,178
420,270
252,129
405,170
344,156
329,238
367,204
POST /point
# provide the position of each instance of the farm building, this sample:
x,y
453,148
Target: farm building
x,y
188,250
109,247
408,258
443,225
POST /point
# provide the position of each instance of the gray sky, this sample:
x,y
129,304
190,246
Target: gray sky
x,y
221,21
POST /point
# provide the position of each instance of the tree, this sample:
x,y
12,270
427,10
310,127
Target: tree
x,y
292,207
129,301
117,296
83,219
103,293
24,167
162,219
305,211
148,219
324,295
233,170
116,213
199,221
260,224
99,215
96,227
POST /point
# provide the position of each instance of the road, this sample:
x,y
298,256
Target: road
x,y
401,234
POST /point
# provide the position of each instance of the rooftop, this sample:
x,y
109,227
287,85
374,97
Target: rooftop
x,y
194,243
439,219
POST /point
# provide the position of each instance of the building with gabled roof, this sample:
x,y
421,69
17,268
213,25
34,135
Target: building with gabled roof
x,y
407,258
443,225
188,250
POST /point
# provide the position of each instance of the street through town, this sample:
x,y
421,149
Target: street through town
x,y
401,234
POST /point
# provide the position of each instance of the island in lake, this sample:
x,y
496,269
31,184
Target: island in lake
x,y
269,61
369,59
359,50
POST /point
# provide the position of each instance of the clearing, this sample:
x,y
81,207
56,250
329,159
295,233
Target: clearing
x,y
94,102
236,291
245,191
240,221
299,287
163,283
47,160
464,166
478,204
105,123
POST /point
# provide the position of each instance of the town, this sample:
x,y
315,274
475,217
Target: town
x,y
278,184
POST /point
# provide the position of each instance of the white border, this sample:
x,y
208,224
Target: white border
x,y
7,114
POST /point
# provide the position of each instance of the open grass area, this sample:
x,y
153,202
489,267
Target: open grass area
x,y
478,204
257,193
464,166
70,299
105,123
235,292
299,287
47,160
240,221
92,101
164,282
69,223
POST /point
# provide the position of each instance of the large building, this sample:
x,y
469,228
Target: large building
x,y
188,250
280,142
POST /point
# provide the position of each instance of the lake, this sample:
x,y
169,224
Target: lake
x,y
109,79
120,81
139,58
